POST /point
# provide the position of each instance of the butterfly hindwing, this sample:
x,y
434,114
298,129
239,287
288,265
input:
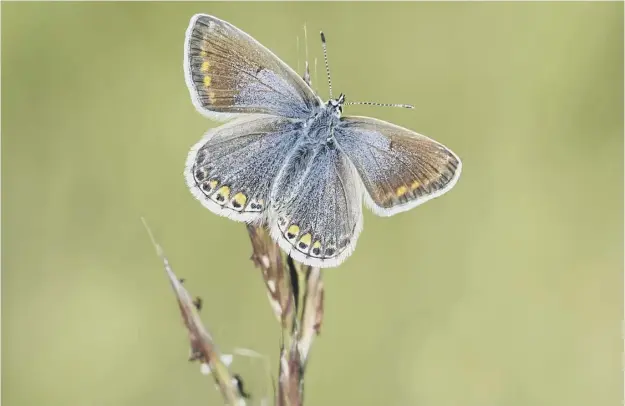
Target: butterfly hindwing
x,y
316,205
229,72
399,168
232,169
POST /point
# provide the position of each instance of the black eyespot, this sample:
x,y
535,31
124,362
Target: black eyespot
x,y
220,198
290,236
236,204
330,251
343,243
206,187
302,245
316,251
199,175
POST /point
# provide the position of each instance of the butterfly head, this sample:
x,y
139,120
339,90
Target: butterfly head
x,y
336,105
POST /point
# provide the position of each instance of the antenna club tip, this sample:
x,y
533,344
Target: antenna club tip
x,y
323,37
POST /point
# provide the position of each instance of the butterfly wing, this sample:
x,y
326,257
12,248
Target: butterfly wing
x,y
229,72
231,170
399,168
318,216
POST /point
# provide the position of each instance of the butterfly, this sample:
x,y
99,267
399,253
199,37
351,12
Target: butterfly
x,y
287,159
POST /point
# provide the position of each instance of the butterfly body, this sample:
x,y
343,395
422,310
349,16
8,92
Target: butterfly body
x,y
288,160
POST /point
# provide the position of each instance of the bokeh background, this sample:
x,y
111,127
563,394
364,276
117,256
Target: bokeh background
x,y
506,291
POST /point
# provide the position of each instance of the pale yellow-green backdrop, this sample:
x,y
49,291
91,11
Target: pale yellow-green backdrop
x,y
506,291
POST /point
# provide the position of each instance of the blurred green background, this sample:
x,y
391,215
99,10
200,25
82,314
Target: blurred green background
x,y
507,291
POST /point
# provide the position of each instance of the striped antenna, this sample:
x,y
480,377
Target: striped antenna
x,y
325,57
404,106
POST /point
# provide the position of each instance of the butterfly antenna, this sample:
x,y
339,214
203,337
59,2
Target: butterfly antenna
x,y
325,57
404,106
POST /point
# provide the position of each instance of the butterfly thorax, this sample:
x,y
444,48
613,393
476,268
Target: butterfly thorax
x,y
336,105
321,125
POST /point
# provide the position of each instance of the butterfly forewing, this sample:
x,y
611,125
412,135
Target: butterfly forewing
x,y
232,169
399,168
316,205
229,72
